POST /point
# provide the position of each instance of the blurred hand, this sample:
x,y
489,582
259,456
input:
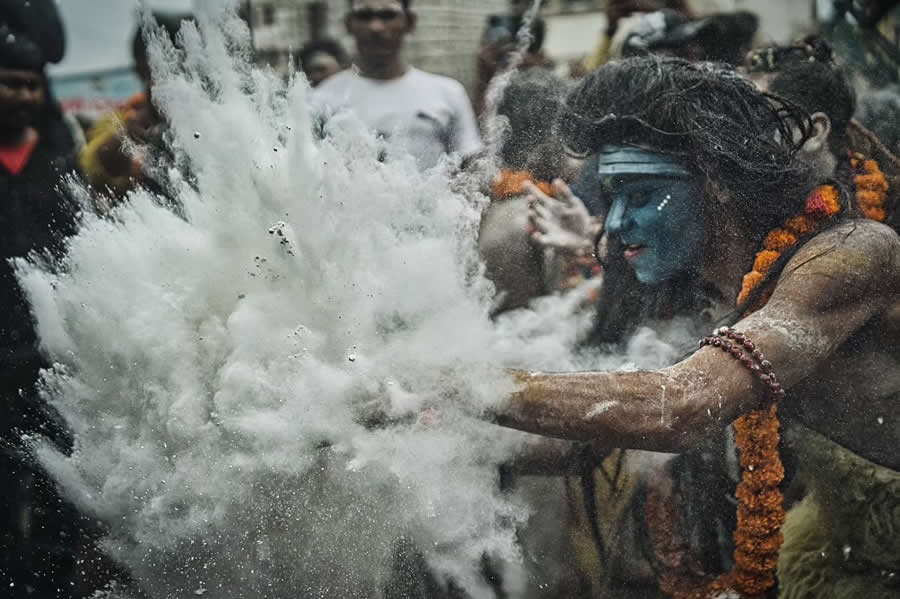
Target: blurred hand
x,y
493,57
561,221
139,124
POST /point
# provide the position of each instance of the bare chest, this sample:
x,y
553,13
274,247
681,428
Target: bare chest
x,y
854,398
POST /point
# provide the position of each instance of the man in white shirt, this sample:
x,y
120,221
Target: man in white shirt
x,y
420,113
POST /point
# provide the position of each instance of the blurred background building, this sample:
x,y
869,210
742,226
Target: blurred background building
x,y
446,38
96,73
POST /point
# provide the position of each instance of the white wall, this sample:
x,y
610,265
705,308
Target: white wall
x,y
445,42
99,32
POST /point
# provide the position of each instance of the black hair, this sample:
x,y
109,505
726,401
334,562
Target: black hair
x,y
806,75
617,10
879,111
531,103
170,23
325,46
709,118
407,5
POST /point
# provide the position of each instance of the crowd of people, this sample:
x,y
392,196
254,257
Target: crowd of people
x,y
677,172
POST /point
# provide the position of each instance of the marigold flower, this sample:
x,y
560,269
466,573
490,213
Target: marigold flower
x,y
867,198
801,225
873,181
512,183
751,584
823,202
876,214
779,240
764,261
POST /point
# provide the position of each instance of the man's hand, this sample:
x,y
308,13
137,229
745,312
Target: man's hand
x,y
559,222
139,123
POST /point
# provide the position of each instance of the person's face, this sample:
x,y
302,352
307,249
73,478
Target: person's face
x,y
659,221
319,67
21,98
378,26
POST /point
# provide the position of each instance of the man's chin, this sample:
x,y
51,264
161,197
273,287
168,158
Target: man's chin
x,y
379,52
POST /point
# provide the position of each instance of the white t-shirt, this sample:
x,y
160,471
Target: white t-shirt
x,y
424,114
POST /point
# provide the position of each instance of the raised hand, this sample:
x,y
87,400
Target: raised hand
x,y
561,221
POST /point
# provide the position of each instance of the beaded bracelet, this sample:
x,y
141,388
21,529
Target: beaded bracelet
x,y
754,361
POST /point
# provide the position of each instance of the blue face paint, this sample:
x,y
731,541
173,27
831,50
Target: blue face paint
x,y
655,210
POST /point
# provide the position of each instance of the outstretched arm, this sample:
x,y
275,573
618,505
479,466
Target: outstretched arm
x,y
833,286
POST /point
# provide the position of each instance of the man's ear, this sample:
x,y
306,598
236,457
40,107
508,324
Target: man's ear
x,y
411,20
821,129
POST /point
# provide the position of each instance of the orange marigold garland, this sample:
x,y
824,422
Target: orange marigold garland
x,y
871,187
509,184
821,204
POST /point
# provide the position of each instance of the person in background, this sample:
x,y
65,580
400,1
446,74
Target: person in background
x,y
805,74
105,160
616,11
723,37
531,152
321,59
499,42
38,530
423,114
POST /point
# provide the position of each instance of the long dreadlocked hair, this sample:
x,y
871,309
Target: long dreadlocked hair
x,y
708,117
738,140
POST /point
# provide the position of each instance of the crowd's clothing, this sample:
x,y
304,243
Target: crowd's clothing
x,y
423,114
37,529
100,134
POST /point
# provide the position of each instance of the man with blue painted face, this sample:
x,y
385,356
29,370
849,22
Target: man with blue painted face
x,y
654,209
699,176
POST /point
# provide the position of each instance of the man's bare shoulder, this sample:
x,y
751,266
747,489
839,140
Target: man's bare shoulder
x,y
854,257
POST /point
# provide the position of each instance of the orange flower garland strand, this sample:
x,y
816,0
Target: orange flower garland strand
x,y
760,513
821,204
871,187
509,184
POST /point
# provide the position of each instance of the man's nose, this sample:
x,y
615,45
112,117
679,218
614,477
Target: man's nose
x,y
31,95
615,221
376,25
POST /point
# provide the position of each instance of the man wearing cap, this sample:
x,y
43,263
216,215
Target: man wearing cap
x,y
37,530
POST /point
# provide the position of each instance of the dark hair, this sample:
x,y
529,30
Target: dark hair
x,y
806,75
531,103
620,9
706,116
168,22
879,111
407,4
324,46
506,28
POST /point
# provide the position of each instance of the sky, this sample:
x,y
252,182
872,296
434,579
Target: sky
x,y
98,32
